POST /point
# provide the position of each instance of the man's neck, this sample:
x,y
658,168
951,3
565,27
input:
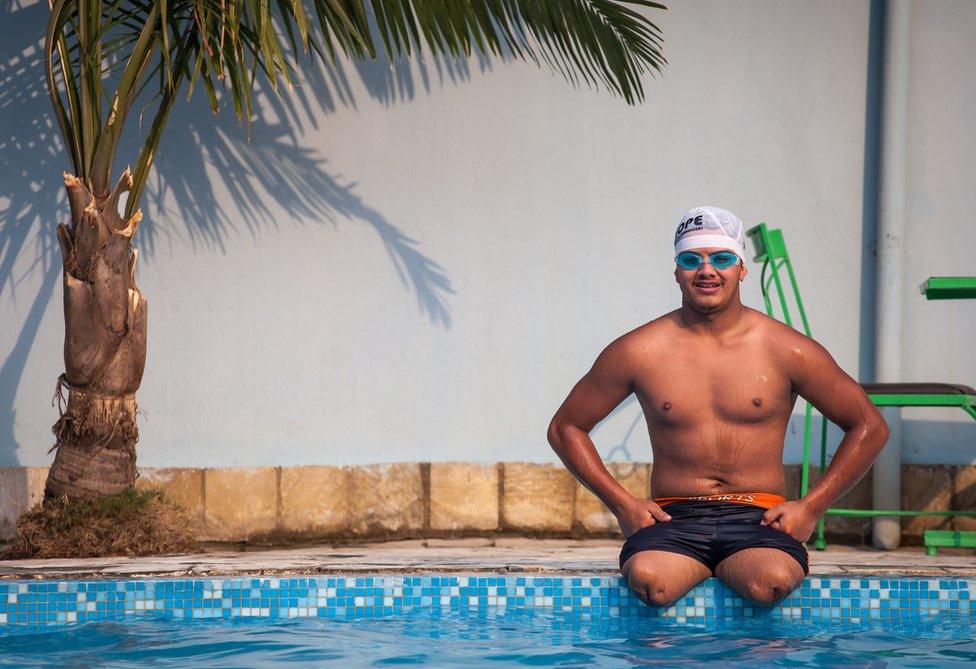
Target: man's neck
x,y
715,323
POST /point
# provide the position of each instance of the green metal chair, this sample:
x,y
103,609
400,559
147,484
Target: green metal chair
x,y
771,251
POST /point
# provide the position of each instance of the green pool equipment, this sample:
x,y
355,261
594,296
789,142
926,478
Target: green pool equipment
x,y
771,252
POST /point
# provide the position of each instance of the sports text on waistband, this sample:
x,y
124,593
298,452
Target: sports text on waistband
x,y
763,499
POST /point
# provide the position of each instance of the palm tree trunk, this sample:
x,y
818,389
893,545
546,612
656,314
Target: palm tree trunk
x,y
104,347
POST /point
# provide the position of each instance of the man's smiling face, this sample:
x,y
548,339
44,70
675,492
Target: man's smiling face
x,y
707,289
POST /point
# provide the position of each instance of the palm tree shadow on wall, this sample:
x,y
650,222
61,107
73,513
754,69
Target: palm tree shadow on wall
x,y
272,165
294,177
32,199
272,173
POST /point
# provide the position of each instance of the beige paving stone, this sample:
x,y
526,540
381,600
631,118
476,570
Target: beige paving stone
x,y
21,488
537,497
469,542
964,496
530,544
592,515
405,545
540,557
554,545
183,486
925,488
463,496
314,500
239,503
386,499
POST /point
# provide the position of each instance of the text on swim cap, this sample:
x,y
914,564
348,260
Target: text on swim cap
x,y
687,223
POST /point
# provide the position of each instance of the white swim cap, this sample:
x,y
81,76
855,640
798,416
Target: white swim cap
x,y
710,227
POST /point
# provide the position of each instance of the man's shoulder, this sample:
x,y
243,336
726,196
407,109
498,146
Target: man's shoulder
x,y
636,343
659,328
779,336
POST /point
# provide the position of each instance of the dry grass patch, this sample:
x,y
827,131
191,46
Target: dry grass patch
x,y
133,522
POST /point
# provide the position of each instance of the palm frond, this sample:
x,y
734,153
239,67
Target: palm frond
x,y
225,43
61,11
603,41
125,92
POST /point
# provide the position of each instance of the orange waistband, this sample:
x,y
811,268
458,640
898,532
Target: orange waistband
x,y
764,499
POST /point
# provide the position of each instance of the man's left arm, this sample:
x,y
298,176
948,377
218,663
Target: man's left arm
x,y
816,377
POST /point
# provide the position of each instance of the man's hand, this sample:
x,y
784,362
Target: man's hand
x,y
794,518
640,513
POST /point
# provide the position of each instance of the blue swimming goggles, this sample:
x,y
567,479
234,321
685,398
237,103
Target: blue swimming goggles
x,y
718,260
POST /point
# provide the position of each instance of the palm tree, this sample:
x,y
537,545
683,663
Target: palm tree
x,y
100,55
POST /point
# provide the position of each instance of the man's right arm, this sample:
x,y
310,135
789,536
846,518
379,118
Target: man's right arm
x,y
606,385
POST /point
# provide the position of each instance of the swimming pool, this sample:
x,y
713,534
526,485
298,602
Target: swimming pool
x,y
476,619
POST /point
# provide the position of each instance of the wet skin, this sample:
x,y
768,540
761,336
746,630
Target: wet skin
x,y
717,382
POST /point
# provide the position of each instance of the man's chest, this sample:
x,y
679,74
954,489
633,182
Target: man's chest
x,y
692,384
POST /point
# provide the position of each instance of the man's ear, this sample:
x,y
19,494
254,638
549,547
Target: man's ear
x,y
743,272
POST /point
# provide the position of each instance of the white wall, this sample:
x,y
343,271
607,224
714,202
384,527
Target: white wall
x,y
938,339
444,256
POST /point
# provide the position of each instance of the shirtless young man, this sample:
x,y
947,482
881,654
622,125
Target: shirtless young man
x,y
717,382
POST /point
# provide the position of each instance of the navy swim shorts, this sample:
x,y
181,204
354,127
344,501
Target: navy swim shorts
x,y
710,532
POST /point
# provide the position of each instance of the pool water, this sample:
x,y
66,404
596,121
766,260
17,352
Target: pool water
x,y
495,638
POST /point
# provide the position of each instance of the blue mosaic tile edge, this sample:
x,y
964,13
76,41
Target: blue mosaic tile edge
x,y
351,597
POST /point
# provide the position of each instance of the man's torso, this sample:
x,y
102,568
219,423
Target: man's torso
x,y
717,409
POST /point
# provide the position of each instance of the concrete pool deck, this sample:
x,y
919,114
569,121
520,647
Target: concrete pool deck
x,y
490,555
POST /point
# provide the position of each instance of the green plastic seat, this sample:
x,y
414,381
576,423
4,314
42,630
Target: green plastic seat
x,y
771,251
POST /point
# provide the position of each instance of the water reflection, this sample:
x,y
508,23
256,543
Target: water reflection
x,y
499,638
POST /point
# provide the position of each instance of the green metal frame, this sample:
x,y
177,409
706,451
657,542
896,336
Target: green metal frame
x,y
936,539
949,288
771,251
965,402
